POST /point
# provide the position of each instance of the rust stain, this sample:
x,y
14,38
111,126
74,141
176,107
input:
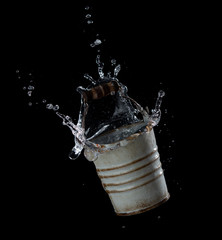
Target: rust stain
x,y
128,164
129,189
136,169
135,179
132,137
145,208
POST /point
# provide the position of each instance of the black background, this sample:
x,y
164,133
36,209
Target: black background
x,y
153,44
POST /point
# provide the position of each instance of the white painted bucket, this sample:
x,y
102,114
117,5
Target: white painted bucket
x,y
131,174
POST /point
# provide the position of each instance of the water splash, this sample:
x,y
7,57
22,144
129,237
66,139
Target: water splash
x,y
90,78
100,67
78,132
156,112
105,106
116,70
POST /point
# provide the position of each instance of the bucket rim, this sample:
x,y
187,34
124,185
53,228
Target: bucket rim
x,y
147,128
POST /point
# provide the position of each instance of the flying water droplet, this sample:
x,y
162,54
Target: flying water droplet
x,y
49,106
90,22
96,43
29,93
161,93
109,75
87,8
30,104
56,108
31,87
113,62
116,70
88,16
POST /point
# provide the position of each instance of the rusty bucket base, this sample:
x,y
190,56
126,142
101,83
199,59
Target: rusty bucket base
x,y
144,209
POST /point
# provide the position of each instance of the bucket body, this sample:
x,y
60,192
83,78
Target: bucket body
x,y
132,175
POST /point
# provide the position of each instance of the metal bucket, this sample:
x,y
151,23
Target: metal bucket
x,y
131,174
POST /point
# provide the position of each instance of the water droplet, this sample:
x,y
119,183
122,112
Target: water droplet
x,y
123,226
30,104
30,87
73,155
86,7
109,75
90,22
49,106
29,93
96,43
56,107
24,88
43,101
165,110
17,71
161,93
113,62
159,217
117,69
88,16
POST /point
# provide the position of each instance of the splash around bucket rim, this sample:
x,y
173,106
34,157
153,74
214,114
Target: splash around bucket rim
x,y
101,147
141,129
